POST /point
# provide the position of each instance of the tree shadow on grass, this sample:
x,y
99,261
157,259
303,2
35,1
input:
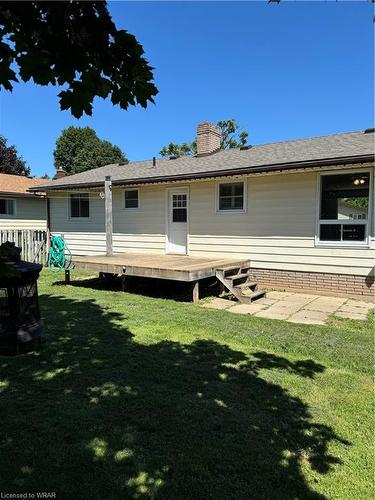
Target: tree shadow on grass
x,y
98,415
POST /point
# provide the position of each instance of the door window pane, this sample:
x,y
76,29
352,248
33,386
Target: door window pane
x,y
179,215
179,208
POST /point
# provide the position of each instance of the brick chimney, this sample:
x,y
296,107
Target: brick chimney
x,y
60,173
208,139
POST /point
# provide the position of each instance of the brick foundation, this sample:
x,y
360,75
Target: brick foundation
x,y
329,284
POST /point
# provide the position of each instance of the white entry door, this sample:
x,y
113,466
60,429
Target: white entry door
x,y
177,223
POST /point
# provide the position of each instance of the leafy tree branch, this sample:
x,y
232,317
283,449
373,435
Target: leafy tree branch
x,y
74,44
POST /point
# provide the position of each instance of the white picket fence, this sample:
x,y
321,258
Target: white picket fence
x,y
32,242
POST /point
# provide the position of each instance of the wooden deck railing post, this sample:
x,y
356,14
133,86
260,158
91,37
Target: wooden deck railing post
x,y
108,214
195,292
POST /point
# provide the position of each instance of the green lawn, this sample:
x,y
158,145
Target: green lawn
x,y
140,397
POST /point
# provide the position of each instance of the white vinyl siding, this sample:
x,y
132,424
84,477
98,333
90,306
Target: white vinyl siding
x,y
29,213
276,230
141,230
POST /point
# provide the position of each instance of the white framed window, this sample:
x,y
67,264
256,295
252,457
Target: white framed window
x,y
344,208
179,207
79,206
231,196
7,207
131,199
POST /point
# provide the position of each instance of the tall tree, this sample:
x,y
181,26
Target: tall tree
x,y
79,149
231,137
77,45
10,161
173,149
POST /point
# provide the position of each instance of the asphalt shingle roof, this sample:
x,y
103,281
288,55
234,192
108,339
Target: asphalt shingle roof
x,y
18,184
353,144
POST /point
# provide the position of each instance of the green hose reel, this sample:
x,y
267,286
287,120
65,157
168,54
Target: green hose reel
x,y
59,256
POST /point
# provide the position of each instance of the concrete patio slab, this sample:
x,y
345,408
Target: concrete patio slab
x,y
326,304
351,315
297,307
358,304
278,295
268,313
265,301
353,310
301,297
309,317
285,307
247,308
218,303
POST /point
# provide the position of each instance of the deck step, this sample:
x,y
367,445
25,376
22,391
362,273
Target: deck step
x,y
247,299
232,270
244,292
234,277
247,284
236,267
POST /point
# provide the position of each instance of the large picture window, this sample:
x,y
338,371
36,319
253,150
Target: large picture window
x,y
80,206
344,208
231,196
7,206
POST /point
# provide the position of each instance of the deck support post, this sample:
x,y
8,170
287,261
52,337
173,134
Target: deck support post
x,y
108,214
196,292
125,283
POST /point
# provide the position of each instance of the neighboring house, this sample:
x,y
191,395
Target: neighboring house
x,y
347,211
20,208
276,204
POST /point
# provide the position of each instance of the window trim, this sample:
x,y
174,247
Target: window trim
x,y
14,214
79,219
367,223
139,199
242,210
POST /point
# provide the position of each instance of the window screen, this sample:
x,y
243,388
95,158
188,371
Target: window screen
x,y
6,206
79,205
131,198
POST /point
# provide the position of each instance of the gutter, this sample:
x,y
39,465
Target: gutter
x,y
24,195
215,173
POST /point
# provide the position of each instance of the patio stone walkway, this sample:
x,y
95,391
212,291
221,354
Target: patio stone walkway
x,y
297,307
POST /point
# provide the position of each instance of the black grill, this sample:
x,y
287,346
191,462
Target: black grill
x,y
20,322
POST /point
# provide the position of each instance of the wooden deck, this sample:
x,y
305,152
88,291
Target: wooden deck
x,y
170,267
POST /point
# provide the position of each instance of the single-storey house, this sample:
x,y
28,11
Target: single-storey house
x,y
20,208
300,210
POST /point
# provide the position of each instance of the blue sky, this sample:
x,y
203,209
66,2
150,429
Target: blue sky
x,y
283,71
